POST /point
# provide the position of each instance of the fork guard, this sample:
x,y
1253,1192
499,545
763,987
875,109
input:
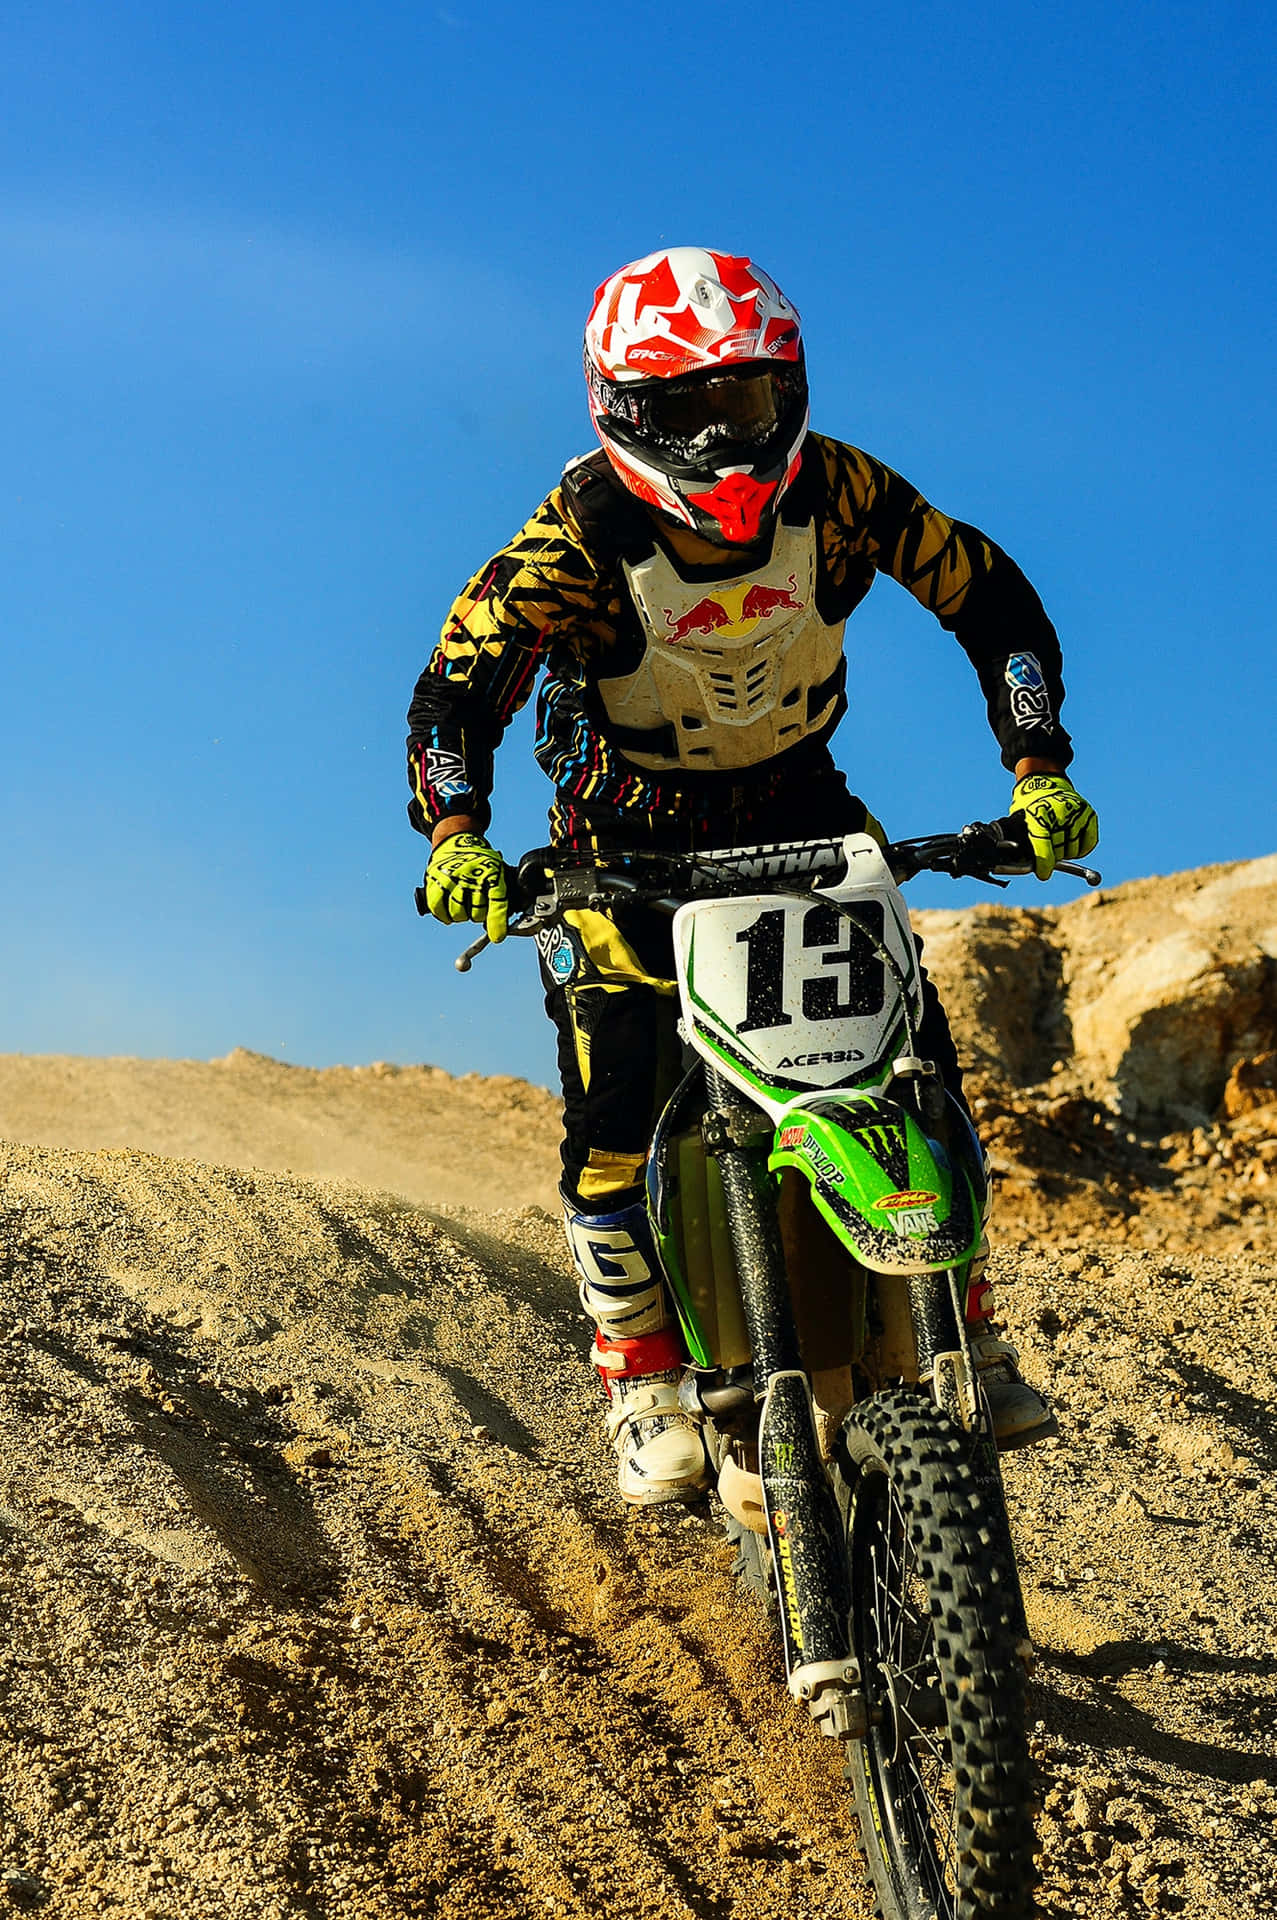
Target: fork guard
x,y
900,1200
804,1530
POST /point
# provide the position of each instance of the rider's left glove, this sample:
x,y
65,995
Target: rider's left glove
x,y
466,881
1061,824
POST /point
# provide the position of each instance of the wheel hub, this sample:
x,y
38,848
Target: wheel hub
x,y
904,1703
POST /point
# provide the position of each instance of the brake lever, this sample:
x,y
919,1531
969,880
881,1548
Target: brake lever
x,y
1024,867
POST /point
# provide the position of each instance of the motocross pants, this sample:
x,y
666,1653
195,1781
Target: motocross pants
x,y
610,980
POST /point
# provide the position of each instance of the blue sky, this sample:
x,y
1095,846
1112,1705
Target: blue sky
x,y
290,308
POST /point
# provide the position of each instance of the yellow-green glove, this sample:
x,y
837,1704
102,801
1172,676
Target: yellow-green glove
x,y
1062,825
466,881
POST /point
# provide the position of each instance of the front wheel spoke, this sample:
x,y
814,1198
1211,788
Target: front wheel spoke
x,y
934,1852
935,1843
898,1547
918,1671
925,1737
929,1792
887,1613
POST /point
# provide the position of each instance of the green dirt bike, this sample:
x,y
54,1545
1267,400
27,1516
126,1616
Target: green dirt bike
x,y
818,1201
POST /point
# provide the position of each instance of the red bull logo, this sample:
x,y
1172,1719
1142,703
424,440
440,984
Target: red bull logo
x,y
707,616
734,613
761,602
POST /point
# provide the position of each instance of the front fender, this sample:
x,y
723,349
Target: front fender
x,y
901,1201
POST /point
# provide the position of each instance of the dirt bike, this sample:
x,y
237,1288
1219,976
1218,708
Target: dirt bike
x,y
818,1202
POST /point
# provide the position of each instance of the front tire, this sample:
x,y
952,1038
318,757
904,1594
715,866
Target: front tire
x,y
752,1566
942,1780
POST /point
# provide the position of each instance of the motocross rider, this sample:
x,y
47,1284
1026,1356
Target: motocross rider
x,y
685,591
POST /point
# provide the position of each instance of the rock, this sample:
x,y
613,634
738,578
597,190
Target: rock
x,y
1167,1028
1251,1084
1000,975
1087,1811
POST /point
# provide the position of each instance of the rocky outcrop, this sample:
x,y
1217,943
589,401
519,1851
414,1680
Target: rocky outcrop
x,y
1162,1017
1145,997
1000,973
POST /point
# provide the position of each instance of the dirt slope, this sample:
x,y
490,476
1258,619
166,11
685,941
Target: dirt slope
x,y
321,1605
321,1602
317,1595
416,1130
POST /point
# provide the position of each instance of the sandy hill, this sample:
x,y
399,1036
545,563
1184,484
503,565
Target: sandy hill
x,y
416,1130
317,1598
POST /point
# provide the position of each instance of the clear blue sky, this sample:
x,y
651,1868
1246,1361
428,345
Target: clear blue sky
x,y
290,307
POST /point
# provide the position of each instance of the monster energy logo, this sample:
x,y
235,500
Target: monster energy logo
x,y
879,1140
886,1144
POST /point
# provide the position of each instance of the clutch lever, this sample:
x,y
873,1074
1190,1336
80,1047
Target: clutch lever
x,y
526,923
466,958
468,955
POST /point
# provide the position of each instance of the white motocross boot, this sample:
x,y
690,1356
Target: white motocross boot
x,y
639,1356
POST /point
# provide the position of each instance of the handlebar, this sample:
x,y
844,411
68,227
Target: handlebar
x,y
549,881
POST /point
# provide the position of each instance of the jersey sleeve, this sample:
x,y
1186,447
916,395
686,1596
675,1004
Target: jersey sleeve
x,y
975,590
540,588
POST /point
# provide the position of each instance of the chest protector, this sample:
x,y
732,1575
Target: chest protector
x,y
735,671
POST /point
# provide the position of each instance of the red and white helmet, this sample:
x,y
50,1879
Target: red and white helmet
x,y
698,390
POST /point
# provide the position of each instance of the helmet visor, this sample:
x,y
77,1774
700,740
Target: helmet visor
x,y
746,406
684,420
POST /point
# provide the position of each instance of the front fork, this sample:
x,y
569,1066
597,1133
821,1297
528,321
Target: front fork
x,y
803,1523
944,1361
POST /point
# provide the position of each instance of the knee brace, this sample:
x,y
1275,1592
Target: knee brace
x,y
621,1287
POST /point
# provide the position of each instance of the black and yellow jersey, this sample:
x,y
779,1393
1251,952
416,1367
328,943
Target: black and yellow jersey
x,y
559,597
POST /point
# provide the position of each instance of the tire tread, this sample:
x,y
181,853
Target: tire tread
x,y
953,1535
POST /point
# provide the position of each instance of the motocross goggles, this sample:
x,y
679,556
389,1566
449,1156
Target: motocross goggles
x,y
681,424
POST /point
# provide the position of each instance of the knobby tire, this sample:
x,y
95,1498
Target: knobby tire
x,y
752,1565
942,1782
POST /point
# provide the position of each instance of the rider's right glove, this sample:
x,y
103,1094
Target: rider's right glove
x,y
466,881
1061,824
